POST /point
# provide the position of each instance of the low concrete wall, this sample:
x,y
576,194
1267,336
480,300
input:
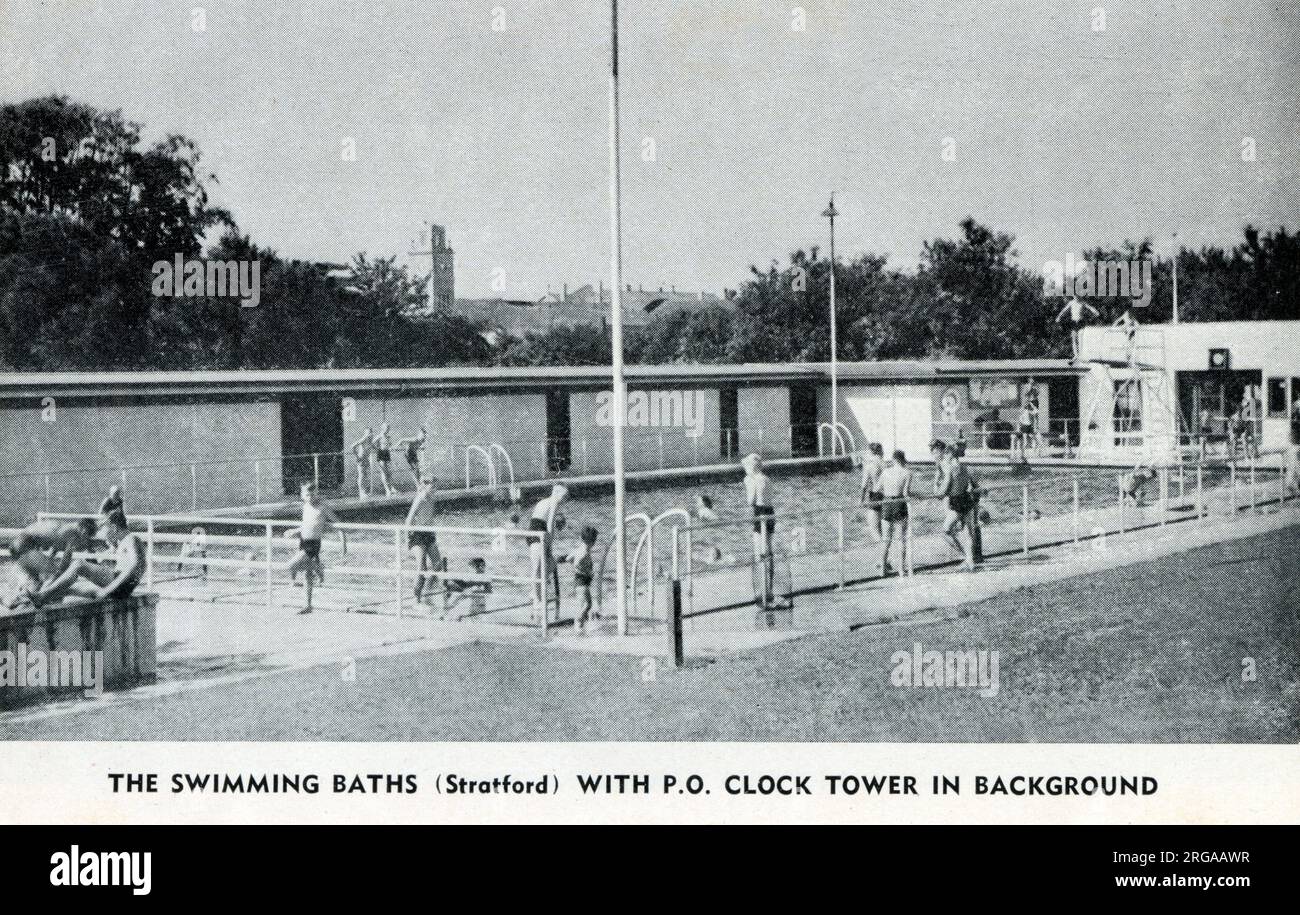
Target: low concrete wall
x,y
124,630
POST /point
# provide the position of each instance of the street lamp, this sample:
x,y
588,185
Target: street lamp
x,y
830,213
1175,278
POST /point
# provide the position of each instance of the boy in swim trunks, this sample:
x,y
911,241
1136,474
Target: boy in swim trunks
x,y
873,464
1076,311
423,513
316,517
54,537
543,520
384,458
411,451
894,485
952,482
756,497
98,582
582,577
361,449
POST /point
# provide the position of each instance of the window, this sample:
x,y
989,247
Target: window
x,y
1277,405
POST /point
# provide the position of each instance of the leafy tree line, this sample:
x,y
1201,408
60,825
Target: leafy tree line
x,y
86,210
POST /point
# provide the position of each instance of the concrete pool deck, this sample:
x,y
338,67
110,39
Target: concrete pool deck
x,y
205,643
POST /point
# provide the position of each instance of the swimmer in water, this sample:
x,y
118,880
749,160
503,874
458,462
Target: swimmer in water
x,y
704,509
757,498
423,513
543,521
361,449
411,448
316,518
1135,482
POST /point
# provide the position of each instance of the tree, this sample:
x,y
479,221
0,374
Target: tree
x,y
561,345
974,302
63,158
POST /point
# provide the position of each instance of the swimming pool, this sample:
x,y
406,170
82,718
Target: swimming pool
x,y
1050,493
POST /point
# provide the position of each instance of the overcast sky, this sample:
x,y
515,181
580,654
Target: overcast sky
x,y
1065,137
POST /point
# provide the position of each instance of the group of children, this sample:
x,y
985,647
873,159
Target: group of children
x,y
886,492
46,568
373,453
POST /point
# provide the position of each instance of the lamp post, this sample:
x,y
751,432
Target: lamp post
x,y
616,328
830,213
1175,278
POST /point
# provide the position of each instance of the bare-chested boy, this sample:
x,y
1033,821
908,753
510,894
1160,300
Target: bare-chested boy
x,y
316,518
361,449
423,513
94,581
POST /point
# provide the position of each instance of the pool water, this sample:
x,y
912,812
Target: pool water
x,y
1050,493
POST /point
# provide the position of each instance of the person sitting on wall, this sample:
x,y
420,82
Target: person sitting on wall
x,y
42,551
54,538
100,582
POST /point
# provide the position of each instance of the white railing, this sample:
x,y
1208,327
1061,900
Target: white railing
x,y
648,538
838,444
196,542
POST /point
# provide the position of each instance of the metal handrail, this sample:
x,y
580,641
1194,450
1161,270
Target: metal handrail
x,y
648,536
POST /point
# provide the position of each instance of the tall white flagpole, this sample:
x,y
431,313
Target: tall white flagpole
x,y
616,326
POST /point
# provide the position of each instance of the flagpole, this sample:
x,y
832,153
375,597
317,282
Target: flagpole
x,y
616,327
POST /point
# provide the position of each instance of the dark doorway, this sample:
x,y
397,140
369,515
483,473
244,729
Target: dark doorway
x,y
559,450
729,423
311,441
1063,408
803,420
1210,399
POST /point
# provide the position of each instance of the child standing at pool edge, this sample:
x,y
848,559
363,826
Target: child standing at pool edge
x,y
582,577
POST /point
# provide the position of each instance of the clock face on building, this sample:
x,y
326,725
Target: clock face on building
x,y
1218,358
950,403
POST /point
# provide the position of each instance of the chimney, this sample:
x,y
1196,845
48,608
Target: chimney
x,y
673,289
565,297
